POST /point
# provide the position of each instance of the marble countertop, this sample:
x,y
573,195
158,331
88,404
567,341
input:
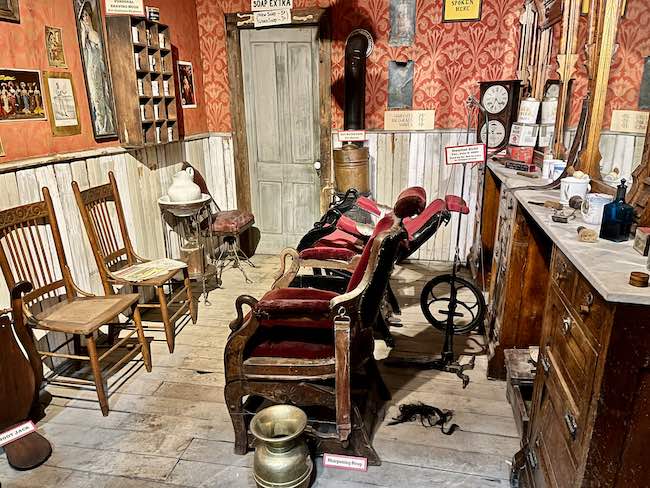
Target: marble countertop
x,y
606,265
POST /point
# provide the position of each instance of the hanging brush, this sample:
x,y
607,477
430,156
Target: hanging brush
x,y
428,415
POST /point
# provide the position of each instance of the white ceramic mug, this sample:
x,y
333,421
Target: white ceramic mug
x,y
571,187
593,206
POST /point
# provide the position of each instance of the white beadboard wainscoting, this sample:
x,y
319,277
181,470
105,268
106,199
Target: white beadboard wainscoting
x,y
402,159
142,177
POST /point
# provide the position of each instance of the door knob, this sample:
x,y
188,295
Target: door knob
x,y
317,165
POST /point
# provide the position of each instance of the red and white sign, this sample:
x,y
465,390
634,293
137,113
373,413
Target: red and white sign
x,y
352,135
16,433
466,154
348,463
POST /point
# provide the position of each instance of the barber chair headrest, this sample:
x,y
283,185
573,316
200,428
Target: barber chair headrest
x,y
410,202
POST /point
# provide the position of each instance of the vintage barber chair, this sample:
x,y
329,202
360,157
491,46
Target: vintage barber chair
x,y
312,347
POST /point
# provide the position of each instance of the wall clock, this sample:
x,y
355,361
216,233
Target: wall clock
x,y
501,100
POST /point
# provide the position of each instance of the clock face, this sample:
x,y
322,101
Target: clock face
x,y
495,99
497,134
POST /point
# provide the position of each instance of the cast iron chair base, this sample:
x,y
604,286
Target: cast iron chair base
x,y
229,256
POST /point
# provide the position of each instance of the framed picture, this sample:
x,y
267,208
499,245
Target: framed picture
x,y
402,22
186,84
21,95
9,11
90,30
61,103
54,47
400,84
461,10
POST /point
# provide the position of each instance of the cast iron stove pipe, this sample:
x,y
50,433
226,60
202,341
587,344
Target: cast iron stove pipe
x,y
355,82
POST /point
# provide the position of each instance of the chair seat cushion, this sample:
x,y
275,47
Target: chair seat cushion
x,y
326,253
232,221
292,343
338,238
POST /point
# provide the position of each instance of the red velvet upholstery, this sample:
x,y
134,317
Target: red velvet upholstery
x,y
456,204
338,238
416,223
292,343
346,224
231,221
410,202
327,253
384,224
368,205
295,301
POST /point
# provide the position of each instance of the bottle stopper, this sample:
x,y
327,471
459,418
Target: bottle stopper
x,y
638,279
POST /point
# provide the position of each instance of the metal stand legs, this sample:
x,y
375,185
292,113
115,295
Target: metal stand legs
x,y
230,255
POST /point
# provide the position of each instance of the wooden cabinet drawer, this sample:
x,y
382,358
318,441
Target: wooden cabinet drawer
x,y
591,308
563,274
571,349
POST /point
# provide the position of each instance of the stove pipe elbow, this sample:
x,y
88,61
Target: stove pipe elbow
x,y
357,49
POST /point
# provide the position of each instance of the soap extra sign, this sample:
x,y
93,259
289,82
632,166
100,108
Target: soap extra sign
x,y
259,5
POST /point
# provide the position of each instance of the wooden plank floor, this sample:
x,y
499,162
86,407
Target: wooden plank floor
x,y
170,427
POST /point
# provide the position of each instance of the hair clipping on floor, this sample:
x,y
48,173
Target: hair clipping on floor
x,y
428,415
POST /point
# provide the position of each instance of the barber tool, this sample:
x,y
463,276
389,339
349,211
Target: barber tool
x,y
554,204
563,216
587,235
528,174
638,279
451,304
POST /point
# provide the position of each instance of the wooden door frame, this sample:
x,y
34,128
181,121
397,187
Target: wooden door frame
x,y
301,17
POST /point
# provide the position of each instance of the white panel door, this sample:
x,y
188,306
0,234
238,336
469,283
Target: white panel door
x,y
280,68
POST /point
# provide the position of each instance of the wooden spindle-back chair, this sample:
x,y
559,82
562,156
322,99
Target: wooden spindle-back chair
x,y
103,217
31,250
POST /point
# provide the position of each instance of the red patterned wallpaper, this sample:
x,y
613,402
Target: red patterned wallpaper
x,y
450,58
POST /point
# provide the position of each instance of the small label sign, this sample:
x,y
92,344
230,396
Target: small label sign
x,y
349,463
259,5
16,433
352,135
629,121
272,17
408,120
467,154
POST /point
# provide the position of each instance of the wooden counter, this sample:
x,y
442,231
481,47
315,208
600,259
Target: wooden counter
x,y
589,414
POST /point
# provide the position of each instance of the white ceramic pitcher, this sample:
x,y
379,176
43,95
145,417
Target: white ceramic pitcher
x,y
570,187
183,188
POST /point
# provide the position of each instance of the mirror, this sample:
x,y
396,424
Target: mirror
x,y
627,100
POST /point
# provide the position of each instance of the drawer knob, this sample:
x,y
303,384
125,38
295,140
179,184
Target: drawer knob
x,y
571,425
561,272
546,364
567,323
585,308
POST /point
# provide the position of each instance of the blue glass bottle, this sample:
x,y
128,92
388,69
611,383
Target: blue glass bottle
x,y
618,217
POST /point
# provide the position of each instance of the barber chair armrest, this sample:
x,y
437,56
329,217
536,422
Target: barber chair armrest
x,y
286,274
242,300
342,344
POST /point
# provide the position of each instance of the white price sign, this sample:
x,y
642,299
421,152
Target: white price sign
x,y
16,432
352,135
271,17
348,463
259,5
467,154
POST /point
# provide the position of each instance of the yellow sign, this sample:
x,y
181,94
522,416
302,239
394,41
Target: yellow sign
x,y
461,10
629,121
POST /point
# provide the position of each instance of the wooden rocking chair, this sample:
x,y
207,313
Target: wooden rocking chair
x,y
113,251
56,303
311,347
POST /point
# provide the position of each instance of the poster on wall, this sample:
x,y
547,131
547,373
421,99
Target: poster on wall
x,y
9,11
90,30
461,10
400,84
402,22
61,104
21,95
186,83
124,7
54,47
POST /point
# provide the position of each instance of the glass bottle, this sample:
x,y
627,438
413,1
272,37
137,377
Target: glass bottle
x,y
618,217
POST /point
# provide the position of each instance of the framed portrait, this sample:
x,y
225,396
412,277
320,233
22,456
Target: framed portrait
x,y
461,10
186,84
21,95
9,11
54,47
402,22
90,30
61,103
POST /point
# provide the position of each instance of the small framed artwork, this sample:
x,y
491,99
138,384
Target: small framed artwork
x,y
61,104
186,83
9,11
400,84
461,10
54,47
402,22
21,95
